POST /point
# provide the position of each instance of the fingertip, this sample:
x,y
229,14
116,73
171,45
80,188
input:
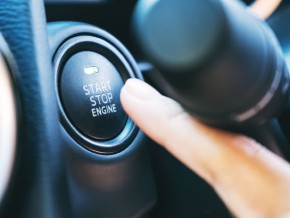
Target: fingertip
x,y
136,92
140,89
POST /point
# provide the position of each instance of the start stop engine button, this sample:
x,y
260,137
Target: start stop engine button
x,y
90,86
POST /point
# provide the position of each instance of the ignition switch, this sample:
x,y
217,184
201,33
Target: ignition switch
x,y
90,72
89,86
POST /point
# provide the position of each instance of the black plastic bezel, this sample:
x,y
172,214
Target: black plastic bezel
x,y
98,45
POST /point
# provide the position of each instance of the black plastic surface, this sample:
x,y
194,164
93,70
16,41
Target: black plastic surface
x,y
101,44
90,87
120,183
110,186
221,63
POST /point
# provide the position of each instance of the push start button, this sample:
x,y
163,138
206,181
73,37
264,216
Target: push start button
x,y
90,86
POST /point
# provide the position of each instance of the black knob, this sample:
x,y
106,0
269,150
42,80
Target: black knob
x,y
221,63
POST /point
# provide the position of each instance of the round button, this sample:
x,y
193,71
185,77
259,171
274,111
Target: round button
x,y
89,90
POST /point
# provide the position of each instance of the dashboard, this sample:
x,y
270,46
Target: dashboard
x,y
63,168
180,192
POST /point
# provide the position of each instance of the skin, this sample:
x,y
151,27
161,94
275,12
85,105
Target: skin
x,y
251,180
264,8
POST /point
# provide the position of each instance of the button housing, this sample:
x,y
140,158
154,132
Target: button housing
x,y
117,130
90,86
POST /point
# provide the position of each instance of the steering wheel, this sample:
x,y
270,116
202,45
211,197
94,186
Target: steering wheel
x,y
45,162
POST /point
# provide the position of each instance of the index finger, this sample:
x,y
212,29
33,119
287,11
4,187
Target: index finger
x,y
251,180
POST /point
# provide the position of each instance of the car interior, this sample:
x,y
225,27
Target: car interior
x,y
67,147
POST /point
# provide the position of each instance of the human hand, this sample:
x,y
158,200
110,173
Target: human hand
x,y
251,180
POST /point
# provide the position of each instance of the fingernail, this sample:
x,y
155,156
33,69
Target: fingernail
x,y
139,89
